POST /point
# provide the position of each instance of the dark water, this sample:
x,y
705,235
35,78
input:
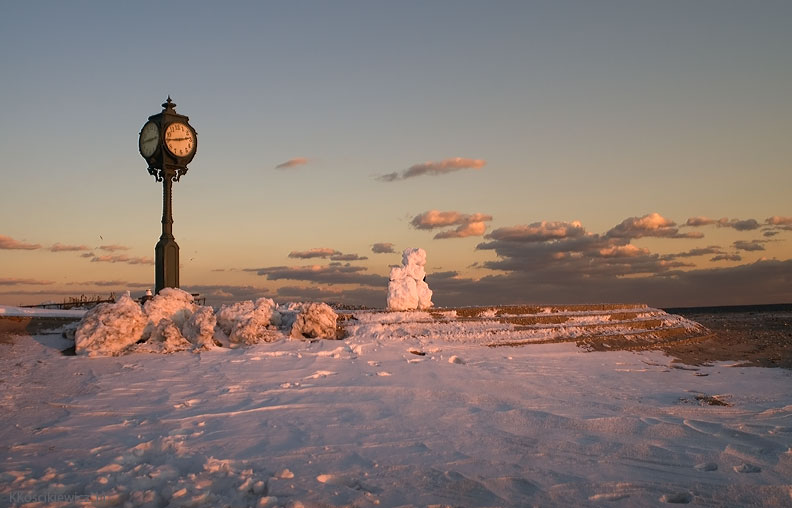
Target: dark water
x,y
772,307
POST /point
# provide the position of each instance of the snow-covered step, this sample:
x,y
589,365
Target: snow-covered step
x,y
599,326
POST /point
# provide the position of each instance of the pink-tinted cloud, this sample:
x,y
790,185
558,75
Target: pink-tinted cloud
x,y
5,281
319,252
8,243
437,219
476,228
59,247
776,220
623,251
539,231
435,168
112,248
468,224
382,248
291,163
653,224
122,259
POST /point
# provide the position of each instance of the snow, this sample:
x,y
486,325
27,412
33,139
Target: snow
x,y
407,288
400,413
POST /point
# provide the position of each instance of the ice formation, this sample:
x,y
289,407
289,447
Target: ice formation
x,y
314,320
407,289
171,322
110,328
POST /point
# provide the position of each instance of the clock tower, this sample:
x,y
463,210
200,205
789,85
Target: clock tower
x,y
168,143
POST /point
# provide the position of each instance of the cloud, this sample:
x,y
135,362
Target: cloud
x,y
4,281
122,259
434,168
623,251
744,225
347,257
653,225
701,251
297,161
539,232
331,274
8,243
726,257
766,281
437,219
112,248
776,220
59,247
87,255
725,222
319,252
468,224
382,248
699,221
753,245
470,229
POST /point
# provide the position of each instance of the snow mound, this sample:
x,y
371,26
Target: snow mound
x,y
407,289
110,328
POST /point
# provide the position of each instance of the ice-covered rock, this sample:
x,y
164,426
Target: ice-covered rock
x,y
407,289
110,328
314,320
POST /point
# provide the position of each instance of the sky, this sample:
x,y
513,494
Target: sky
x,y
540,152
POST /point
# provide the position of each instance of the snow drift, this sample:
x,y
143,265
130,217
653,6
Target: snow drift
x,y
407,289
172,321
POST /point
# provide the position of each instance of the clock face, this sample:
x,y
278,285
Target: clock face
x,y
149,139
179,139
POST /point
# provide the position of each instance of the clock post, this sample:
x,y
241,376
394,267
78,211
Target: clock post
x,y
168,143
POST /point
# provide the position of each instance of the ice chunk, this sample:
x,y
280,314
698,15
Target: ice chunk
x,y
314,320
248,322
165,338
170,303
200,328
110,328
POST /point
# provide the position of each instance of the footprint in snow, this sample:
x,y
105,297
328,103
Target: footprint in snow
x,y
457,360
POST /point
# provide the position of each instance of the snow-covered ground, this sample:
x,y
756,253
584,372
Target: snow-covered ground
x,y
389,419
